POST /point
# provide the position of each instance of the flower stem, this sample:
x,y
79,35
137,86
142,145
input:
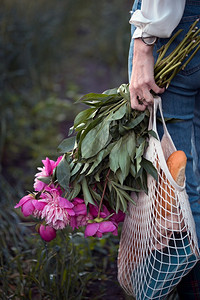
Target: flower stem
x,y
165,48
167,67
189,59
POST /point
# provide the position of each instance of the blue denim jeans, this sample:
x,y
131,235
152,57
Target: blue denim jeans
x,y
182,100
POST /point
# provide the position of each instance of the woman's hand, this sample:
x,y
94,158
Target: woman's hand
x,y
142,78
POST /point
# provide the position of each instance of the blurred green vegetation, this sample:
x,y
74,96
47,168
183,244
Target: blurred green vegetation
x,y
70,267
51,52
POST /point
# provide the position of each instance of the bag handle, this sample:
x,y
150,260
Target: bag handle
x,y
152,120
153,126
158,105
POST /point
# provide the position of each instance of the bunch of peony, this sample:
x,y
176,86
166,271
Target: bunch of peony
x,y
107,221
56,212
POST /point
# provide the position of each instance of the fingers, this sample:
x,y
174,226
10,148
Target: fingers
x,y
141,96
138,103
148,96
156,89
137,106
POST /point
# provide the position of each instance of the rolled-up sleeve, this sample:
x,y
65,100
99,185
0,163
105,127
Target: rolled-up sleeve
x,y
157,18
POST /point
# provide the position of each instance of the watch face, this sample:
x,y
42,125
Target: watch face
x,y
150,40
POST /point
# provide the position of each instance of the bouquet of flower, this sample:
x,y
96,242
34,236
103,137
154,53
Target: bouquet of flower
x,y
91,183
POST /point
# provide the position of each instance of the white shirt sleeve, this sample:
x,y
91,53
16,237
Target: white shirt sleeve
x,y
157,17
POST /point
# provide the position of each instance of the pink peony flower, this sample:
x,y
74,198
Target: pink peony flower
x,y
81,217
47,233
113,219
39,206
99,228
117,218
26,204
58,210
83,220
80,220
46,171
30,206
79,206
93,209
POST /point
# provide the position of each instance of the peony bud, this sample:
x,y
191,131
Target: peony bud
x,y
47,233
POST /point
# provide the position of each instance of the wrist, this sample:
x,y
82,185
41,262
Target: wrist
x,y
148,40
141,47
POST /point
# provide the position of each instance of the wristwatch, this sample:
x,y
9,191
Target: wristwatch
x,y
149,40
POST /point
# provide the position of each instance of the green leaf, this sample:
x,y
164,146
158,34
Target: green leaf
x,y
96,100
124,92
100,156
138,161
133,169
63,173
120,176
113,158
150,169
127,196
133,123
151,132
123,201
95,140
124,159
131,144
143,181
139,154
118,114
80,127
83,116
97,177
125,151
95,195
122,129
46,180
67,145
76,168
82,134
117,203
124,88
86,193
71,130
111,91
85,168
124,187
114,130
75,191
